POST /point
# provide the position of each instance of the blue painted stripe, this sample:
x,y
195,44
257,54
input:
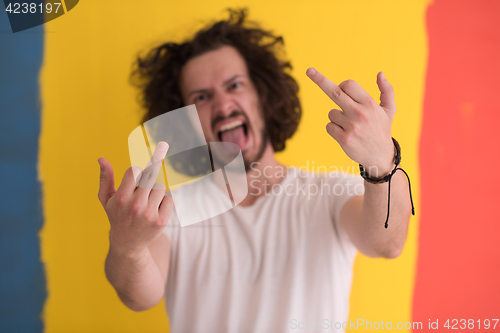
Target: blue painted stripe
x,y
22,278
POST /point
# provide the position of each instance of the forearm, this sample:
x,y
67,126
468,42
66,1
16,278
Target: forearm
x,y
136,278
386,242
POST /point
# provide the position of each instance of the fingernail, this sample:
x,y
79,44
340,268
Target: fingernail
x,y
311,71
162,146
382,76
99,161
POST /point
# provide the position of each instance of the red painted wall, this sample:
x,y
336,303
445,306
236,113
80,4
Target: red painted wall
x,y
458,268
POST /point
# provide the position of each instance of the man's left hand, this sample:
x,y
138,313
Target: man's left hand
x,y
362,127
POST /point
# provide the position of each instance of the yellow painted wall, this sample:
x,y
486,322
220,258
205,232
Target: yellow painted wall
x,y
89,109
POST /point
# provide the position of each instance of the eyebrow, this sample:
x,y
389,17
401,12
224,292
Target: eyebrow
x,y
224,84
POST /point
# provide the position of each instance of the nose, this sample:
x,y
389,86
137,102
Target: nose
x,y
223,104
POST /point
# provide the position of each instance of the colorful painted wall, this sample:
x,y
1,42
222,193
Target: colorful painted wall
x,y
65,100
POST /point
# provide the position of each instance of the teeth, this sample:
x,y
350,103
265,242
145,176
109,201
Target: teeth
x,y
231,125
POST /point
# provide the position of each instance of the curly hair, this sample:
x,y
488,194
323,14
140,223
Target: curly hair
x,y
157,73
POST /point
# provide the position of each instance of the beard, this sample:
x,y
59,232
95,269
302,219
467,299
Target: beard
x,y
262,148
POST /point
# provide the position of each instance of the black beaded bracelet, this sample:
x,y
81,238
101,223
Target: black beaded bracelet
x,y
397,160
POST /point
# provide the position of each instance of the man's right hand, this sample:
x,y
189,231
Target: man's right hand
x,y
137,214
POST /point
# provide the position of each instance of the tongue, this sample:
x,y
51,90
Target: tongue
x,y
235,135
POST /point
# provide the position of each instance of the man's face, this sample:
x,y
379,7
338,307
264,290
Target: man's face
x,y
226,99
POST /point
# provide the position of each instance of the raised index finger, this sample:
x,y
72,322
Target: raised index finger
x,y
331,89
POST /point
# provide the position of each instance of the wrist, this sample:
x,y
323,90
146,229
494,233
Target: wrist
x,y
397,160
377,173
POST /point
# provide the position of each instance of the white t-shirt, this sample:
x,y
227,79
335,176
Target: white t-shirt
x,y
280,265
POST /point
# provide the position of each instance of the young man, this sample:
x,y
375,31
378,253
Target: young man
x,y
276,260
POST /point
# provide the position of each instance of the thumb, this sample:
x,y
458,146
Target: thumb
x,y
106,182
386,95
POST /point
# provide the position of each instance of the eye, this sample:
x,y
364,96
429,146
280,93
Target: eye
x,y
236,85
200,98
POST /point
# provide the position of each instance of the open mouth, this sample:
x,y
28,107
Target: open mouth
x,y
235,131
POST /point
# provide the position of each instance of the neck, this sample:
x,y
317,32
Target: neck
x,y
263,175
